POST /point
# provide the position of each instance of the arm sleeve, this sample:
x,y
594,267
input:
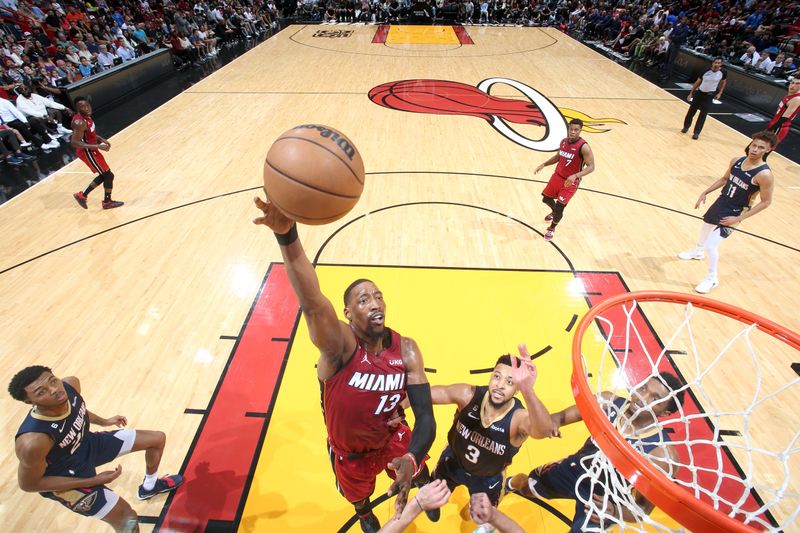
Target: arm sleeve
x,y
419,396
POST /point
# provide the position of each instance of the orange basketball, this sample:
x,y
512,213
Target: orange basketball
x,y
313,174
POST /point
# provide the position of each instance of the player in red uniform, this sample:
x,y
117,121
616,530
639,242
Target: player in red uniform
x,y
787,110
365,370
85,141
575,160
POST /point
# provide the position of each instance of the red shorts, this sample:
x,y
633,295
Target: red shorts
x,y
355,476
94,160
555,189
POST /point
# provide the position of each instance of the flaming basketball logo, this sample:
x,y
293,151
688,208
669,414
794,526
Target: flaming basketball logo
x,y
442,97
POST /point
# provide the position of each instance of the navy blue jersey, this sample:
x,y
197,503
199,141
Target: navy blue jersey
x,y
69,451
482,451
737,193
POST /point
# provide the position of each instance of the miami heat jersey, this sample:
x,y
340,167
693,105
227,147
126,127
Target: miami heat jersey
x,y
90,133
69,450
482,451
570,159
361,398
781,107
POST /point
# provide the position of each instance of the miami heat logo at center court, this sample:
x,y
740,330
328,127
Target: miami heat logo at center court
x,y
442,97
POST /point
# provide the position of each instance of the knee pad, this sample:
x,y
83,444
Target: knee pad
x,y
108,179
558,212
100,178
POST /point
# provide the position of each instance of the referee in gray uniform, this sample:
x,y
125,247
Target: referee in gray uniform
x,y
707,87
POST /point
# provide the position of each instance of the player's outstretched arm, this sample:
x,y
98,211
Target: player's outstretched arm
x,y
419,396
552,161
431,496
327,332
537,423
482,511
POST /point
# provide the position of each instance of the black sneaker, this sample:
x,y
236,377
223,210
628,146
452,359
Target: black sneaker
x,y
111,204
369,523
165,484
684,130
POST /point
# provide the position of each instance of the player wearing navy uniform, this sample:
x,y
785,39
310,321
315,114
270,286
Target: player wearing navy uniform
x,y
366,370
575,160
58,455
744,178
490,425
658,397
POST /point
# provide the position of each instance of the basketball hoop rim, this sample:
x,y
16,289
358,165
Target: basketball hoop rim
x,y
692,513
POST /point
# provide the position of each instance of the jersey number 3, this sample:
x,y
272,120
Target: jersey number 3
x,y
388,403
472,454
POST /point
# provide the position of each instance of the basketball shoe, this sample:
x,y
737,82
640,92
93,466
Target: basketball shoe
x,y
708,283
548,236
369,523
81,199
165,484
111,204
694,253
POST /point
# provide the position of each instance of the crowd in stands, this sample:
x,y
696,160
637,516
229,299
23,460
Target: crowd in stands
x,y
47,45
760,36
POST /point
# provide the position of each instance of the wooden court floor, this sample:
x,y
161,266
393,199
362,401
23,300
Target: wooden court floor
x,y
174,311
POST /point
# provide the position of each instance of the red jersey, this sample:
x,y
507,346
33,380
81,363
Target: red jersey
x,y
360,399
89,134
570,159
781,107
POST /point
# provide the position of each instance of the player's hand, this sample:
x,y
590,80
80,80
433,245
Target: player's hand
x,y
729,221
433,495
104,478
104,146
403,468
117,420
523,371
480,508
700,201
273,219
555,431
570,181
690,97
538,169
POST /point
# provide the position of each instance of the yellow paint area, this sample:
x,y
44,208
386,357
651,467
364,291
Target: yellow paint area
x,y
462,320
421,35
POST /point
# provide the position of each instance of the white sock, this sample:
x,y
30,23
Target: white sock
x,y
150,481
712,250
705,231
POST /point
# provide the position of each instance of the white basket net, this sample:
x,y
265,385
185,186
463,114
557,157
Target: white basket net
x,y
737,432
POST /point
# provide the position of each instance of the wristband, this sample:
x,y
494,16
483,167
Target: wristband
x,y
413,462
285,239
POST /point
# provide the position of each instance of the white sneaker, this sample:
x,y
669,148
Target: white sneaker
x,y
53,137
62,130
707,284
694,253
25,144
52,144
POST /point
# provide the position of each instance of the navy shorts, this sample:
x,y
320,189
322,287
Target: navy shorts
x,y
717,212
96,501
449,470
560,481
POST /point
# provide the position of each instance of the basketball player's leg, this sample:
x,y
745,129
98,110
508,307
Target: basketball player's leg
x,y
355,480
565,194
97,163
101,503
122,517
712,250
152,443
698,251
550,193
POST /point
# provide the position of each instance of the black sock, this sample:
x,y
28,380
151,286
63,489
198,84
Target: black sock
x,y
107,197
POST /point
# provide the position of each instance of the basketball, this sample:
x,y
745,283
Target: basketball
x,y
313,174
